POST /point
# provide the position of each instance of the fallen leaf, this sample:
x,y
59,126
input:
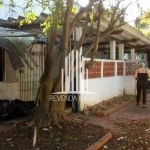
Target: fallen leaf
x,y
8,139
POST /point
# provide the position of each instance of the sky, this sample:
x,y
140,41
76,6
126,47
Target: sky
x,y
132,10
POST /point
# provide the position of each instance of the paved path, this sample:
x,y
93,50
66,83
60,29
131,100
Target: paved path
x,y
130,112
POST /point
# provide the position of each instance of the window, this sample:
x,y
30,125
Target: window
x,y
6,71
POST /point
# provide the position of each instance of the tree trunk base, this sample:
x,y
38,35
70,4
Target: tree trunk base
x,y
48,122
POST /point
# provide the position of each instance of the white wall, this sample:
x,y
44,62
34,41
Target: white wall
x,y
108,88
9,90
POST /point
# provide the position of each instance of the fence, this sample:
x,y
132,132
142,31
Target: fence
x,y
109,68
29,78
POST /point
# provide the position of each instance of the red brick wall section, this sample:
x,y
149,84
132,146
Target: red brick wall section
x,y
130,68
109,69
119,68
95,71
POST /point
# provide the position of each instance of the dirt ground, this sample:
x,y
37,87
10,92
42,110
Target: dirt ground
x,y
128,126
57,139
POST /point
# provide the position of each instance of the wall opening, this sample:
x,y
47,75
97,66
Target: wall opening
x,y
2,66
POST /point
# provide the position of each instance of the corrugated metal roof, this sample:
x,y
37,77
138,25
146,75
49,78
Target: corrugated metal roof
x,y
13,55
4,31
125,37
21,44
16,47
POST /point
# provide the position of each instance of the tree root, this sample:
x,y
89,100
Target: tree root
x,y
76,122
45,120
72,122
59,126
15,122
31,123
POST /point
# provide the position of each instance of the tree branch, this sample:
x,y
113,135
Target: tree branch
x,y
80,13
65,35
84,31
90,64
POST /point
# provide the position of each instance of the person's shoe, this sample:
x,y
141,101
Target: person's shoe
x,y
144,106
137,104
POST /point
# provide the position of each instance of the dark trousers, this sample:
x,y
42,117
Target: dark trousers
x,y
148,87
141,87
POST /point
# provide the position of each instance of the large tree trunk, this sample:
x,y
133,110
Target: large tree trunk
x,y
57,112
54,110
51,109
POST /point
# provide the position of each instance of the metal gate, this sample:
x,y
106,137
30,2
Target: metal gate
x,y
29,78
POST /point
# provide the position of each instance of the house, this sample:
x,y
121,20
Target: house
x,y
109,77
19,57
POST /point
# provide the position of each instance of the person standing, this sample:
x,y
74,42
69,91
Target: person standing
x,y
148,88
141,75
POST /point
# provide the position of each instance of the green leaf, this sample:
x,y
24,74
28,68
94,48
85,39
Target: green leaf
x,y
51,135
91,15
57,139
74,9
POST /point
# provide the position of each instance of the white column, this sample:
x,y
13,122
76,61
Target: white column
x,y
145,56
145,60
113,50
132,54
79,82
78,31
121,51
